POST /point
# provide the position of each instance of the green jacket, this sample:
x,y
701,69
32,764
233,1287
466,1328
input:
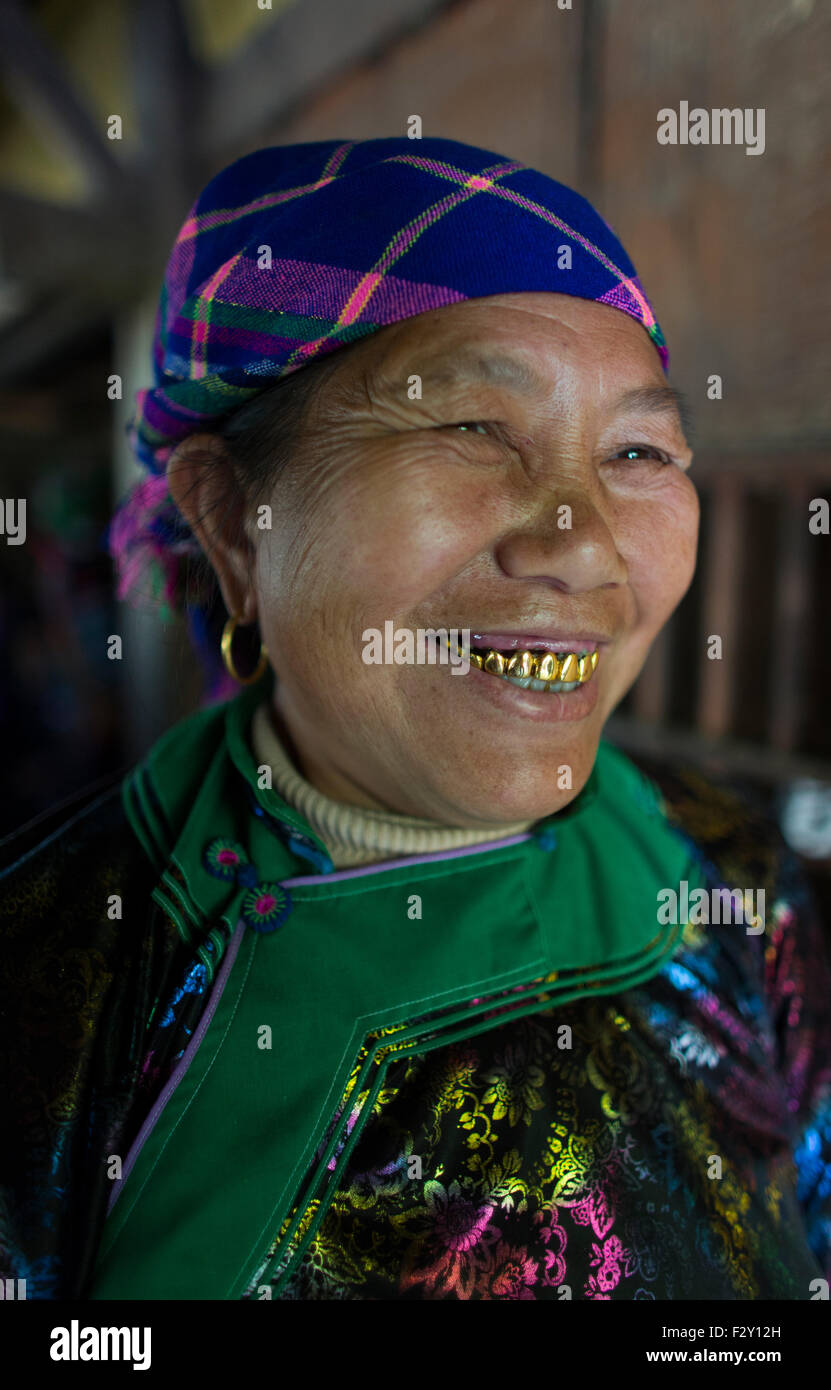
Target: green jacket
x,y
210,1029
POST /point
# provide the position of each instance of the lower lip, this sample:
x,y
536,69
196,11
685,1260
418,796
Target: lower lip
x,y
536,705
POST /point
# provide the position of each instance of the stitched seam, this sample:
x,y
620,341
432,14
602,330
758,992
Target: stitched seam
x,y
221,1043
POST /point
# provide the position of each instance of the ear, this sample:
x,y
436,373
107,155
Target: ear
x,y
201,482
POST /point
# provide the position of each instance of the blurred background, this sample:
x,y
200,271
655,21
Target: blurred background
x,y
732,249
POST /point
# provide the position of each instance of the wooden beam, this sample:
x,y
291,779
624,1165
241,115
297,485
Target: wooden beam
x,y
292,56
650,696
44,331
43,86
46,246
789,636
591,91
720,610
764,466
737,758
169,89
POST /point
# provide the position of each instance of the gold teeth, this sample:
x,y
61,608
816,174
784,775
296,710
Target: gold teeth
x,y
495,663
569,667
540,666
521,664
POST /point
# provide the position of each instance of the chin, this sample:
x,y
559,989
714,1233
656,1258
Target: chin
x,y
528,798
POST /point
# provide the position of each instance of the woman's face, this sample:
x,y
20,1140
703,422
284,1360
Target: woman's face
x,y
389,513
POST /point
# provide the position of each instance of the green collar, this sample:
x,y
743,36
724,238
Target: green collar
x,y
224,845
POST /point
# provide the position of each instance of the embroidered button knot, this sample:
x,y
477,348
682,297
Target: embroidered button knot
x,y
224,859
265,906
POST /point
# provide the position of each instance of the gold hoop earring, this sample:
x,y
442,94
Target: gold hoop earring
x,y
225,647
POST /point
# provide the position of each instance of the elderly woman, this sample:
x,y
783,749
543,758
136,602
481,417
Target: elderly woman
x,y
387,977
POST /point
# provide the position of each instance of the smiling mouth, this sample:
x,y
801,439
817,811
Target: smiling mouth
x,y
555,672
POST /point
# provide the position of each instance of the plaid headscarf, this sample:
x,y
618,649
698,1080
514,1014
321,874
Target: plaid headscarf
x,y
294,251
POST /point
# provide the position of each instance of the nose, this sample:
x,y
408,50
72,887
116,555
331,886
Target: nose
x,y
570,546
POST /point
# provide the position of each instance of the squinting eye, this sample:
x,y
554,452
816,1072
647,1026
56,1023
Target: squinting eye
x,y
642,449
629,452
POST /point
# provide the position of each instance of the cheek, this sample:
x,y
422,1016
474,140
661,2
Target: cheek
x,y
659,545
379,536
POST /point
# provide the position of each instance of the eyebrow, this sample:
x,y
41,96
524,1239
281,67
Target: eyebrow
x,y
498,370
657,400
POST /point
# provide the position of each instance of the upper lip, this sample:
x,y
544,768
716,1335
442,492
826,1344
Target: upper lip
x,y
553,639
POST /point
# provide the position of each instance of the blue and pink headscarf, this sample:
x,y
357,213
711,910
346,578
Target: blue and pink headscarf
x,y
295,251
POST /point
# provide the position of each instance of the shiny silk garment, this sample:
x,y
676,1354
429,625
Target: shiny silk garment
x,y
490,1073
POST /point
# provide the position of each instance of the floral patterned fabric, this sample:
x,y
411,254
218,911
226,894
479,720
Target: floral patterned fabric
x,y
671,1142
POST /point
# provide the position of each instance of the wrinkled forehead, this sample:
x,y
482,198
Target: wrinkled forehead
x,y
528,344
